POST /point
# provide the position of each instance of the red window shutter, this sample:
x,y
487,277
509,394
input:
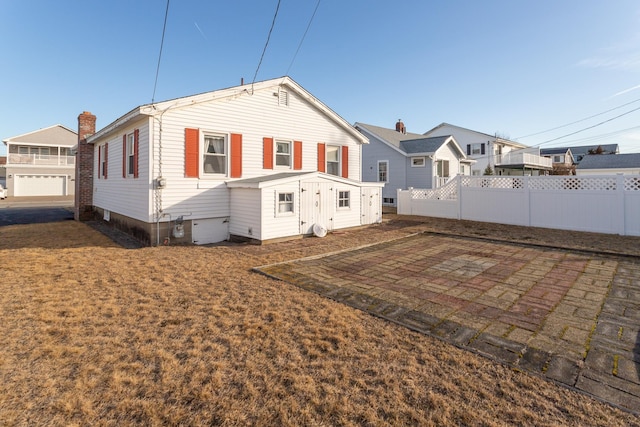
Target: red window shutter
x,y
236,155
345,161
136,137
100,162
297,155
106,160
267,153
321,157
124,155
191,154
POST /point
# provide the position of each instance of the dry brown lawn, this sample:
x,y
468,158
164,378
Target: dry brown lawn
x,y
93,334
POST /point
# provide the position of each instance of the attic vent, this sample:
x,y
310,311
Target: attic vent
x,y
283,98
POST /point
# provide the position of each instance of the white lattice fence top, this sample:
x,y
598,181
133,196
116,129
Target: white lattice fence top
x,y
597,183
509,182
632,184
446,192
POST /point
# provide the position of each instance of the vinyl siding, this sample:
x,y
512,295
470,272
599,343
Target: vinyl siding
x,y
254,117
246,205
126,196
347,217
276,225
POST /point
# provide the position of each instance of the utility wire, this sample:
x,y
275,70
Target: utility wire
x,y
303,36
273,23
164,28
578,121
589,127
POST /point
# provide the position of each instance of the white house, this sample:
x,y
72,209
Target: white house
x,y
260,161
505,157
401,159
41,163
608,164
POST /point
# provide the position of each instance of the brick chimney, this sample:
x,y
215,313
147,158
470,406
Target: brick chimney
x,y
84,168
400,127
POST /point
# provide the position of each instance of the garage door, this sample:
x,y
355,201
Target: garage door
x,y
40,185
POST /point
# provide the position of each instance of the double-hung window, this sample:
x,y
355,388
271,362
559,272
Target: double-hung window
x,y
283,153
333,160
383,171
344,199
214,158
285,203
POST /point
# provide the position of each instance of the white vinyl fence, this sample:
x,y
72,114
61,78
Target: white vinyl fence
x,y
603,204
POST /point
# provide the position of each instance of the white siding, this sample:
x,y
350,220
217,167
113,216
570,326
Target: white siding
x,y
274,224
246,204
126,196
351,216
255,117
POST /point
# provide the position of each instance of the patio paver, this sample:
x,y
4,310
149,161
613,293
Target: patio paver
x,y
570,316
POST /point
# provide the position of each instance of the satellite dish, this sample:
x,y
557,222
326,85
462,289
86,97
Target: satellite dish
x,y
319,230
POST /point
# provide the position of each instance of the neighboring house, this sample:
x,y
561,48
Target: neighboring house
x,y
41,163
597,164
259,162
401,160
503,156
584,150
562,160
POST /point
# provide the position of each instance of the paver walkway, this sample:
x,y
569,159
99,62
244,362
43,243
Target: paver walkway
x,y
570,316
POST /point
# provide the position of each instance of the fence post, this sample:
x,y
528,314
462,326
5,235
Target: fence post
x,y
459,190
527,189
622,226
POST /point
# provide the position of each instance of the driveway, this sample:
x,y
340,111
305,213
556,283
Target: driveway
x,y
570,316
30,210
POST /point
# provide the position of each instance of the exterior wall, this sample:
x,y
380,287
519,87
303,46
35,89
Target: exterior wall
x,y
247,206
12,171
376,151
254,117
274,224
125,196
420,177
630,171
351,216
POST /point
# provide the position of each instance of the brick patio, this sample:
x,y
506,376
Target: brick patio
x,y
571,316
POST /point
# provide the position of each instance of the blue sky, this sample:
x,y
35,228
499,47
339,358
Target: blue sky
x,y
512,67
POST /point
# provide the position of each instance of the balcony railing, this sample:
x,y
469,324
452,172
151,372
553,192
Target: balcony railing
x,y
40,160
526,159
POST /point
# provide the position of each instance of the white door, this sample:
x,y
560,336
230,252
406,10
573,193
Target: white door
x,y
316,206
40,185
209,230
371,208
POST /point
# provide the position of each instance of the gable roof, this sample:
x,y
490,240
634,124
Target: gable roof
x,y
485,135
159,108
610,161
56,135
409,143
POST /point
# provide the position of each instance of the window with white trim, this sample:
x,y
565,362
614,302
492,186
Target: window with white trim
x,y
417,162
103,161
214,157
285,204
344,199
476,149
130,154
283,153
558,159
333,160
443,168
383,171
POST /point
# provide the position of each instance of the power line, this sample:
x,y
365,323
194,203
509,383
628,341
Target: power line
x,y
578,121
273,23
589,127
303,36
164,28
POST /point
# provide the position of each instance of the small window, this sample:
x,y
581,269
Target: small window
x,y
214,155
103,161
388,200
285,203
417,162
558,159
344,199
130,154
383,171
333,160
283,153
477,149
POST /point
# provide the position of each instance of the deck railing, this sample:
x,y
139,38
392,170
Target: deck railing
x,y
40,160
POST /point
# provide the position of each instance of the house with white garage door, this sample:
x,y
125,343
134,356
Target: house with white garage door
x,y
258,162
41,163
